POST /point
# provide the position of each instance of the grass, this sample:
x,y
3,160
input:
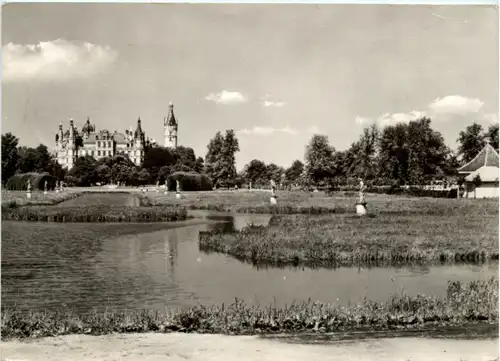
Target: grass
x,y
346,240
11,199
465,304
295,202
95,213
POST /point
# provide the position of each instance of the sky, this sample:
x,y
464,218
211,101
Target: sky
x,y
276,74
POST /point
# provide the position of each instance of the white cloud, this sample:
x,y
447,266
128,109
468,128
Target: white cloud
x,y
270,103
226,97
268,130
313,129
56,60
395,118
491,118
456,104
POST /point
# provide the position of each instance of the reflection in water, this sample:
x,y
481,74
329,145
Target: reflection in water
x,y
153,266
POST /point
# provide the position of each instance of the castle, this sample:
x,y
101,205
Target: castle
x,y
72,143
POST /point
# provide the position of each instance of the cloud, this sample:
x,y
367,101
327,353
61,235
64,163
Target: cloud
x,y
456,104
491,118
313,129
391,118
270,103
268,130
56,60
226,97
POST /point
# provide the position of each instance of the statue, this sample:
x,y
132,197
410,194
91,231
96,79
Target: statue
x,y
273,194
28,189
250,186
157,186
178,189
45,187
362,188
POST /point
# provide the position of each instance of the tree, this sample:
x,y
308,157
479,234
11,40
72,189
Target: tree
x,y
275,172
103,173
360,159
319,159
84,170
143,176
10,156
214,149
256,172
471,142
293,173
157,157
199,165
492,134
185,158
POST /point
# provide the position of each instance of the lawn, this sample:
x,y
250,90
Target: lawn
x,y
293,202
19,198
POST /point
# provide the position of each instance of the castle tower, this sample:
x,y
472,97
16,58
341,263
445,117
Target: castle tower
x,y
71,145
170,126
138,144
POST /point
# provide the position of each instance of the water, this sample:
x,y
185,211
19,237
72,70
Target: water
x,y
135,266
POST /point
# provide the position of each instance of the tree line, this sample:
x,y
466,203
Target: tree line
x,y
411,153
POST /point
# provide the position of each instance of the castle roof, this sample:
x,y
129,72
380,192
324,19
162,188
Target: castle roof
x,y
487,157
170,120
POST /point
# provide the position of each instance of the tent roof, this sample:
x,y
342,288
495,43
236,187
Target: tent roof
x,y
487,157
487,174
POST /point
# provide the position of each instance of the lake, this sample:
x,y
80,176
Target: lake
x,y
84,266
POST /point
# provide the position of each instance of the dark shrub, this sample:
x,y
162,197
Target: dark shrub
x,y
18,182
189,181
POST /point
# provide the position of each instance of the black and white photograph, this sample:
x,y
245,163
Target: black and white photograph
x,y
249,181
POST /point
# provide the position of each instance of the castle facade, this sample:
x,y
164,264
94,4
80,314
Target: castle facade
x,y
74,143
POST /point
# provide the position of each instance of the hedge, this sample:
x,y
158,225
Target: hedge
x,y
412,191
189,181
19,182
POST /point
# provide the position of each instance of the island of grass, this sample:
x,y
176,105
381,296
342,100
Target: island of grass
x,y
465,305
349,240
95,207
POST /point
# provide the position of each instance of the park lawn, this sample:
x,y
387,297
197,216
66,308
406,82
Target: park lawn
x,y
19,198
290,202
348,240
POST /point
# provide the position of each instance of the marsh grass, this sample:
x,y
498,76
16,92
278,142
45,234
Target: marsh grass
x,y
465,304
346,240
95,213
295,202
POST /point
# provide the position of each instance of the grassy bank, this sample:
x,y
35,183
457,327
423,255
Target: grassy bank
x,y
473,303
11,199
95,213
295,202
327,241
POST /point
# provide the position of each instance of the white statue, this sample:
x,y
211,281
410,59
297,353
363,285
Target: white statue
x,y
362,188
178,186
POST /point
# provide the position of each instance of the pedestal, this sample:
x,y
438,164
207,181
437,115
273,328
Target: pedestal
x,y
44,193
28,194
361,208
178,195
57,190
273,200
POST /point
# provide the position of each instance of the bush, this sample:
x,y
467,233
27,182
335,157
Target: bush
x,y
18,182
189,181
400,191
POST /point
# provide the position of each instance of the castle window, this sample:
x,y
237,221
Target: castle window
x,y
98,144
109,153
98,153
109,144
92,153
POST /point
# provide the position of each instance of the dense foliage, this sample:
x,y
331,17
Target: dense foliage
x,y
189,181
19,181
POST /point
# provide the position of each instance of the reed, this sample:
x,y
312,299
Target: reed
x,y
347,240
465,305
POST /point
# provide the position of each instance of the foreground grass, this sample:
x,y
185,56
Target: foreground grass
x,y
473,303
296,202
95,213
344,240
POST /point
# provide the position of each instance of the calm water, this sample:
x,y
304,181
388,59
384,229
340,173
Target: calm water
x,y
136,266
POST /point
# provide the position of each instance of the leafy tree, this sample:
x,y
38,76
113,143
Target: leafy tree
x,y
275,172
319,159
293,173
10,156
199,165
256,172
212,159
84,170
143,176
103,173
157,157
492,134
471,142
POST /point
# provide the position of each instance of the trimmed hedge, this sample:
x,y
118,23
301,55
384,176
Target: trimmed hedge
x,y
190,181
18,182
